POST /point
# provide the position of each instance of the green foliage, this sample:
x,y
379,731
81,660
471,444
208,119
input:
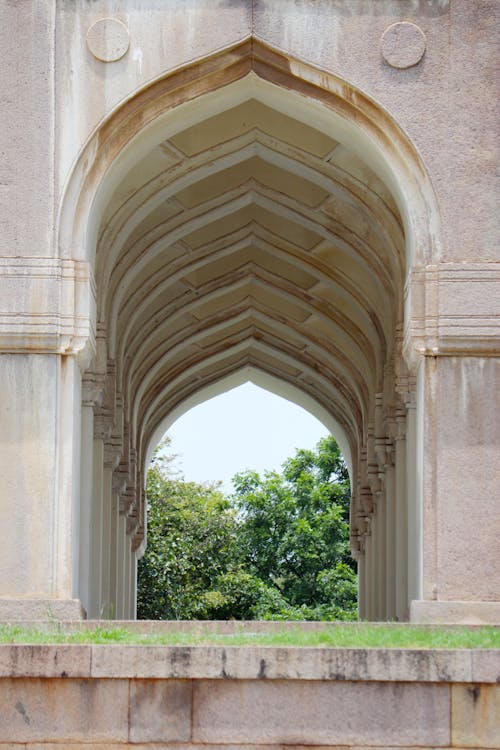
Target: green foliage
x,y
277,549
294,531
191,540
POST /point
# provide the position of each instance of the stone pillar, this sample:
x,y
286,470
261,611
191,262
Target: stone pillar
x,y
390,592
401,524
133,586
361,585
461,512
39,495
373,570
371,573
107,597
130,580
114,553
96,530
121,573
381,556
413,499
86,487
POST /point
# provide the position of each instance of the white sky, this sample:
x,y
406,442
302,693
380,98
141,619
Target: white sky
x,y
244,428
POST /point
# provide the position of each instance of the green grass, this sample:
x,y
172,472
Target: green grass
x,y
362,635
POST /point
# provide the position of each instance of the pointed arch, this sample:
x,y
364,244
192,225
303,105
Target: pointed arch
x,y
248,215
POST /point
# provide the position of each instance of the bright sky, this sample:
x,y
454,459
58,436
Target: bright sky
x,y
244,428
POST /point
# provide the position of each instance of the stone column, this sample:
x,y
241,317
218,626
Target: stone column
x,y
361,582
86,474
369,571
129,566
96,530
107,596
133,585
390,592
401,523
461,510
121,573
375,564
114,554
39,493
413,498
381,556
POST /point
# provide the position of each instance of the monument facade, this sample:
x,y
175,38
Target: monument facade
x,y
194,194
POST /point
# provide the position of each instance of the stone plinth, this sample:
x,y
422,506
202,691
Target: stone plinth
x,y
189,698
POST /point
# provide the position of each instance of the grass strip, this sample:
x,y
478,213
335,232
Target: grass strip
x,y
362,635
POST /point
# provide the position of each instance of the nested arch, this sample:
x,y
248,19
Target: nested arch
x,y
247,214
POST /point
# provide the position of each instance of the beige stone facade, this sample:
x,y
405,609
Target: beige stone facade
x,y
194,194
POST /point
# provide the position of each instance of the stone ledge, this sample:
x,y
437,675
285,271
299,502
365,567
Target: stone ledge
x,y
454,612
36,611
250,663
204,746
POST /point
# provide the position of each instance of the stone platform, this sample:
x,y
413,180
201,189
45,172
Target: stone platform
x,y
238,698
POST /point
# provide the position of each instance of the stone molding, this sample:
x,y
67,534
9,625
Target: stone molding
x,y
457,612
46,305
453,308
250,663
39,610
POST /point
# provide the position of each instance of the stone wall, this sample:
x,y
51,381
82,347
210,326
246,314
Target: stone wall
x,y
293,192
111,696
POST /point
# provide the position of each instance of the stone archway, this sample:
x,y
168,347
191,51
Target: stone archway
x,y
241,215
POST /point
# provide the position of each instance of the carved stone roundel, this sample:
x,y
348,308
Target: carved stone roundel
x,y
108,39
403,44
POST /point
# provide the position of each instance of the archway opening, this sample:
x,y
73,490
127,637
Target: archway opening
x,y
258,228
248,516
246,427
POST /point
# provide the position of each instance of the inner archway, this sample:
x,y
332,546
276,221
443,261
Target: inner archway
x,y
249,217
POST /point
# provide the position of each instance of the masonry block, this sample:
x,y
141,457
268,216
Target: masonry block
x,y
321,712
160,710
22,660
35,710
475,718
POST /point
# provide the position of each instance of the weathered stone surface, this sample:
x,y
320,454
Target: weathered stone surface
x,y
44,661
400,715
63,710
250,185
475,712
39,610
456,613
486,665
160,710
108,39
218,662
212,746
403,44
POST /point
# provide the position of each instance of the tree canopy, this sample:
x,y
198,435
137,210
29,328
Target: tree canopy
x,y
277,548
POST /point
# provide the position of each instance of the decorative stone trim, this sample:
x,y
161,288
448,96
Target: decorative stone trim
x,y
108,39
46,305
403,45
454,308
246,663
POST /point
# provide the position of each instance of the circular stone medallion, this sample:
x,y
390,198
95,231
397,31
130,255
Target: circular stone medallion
x,y
403,44
108,39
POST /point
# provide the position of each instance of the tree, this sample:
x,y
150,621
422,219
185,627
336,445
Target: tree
x,y
294,529
276,549
191,540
